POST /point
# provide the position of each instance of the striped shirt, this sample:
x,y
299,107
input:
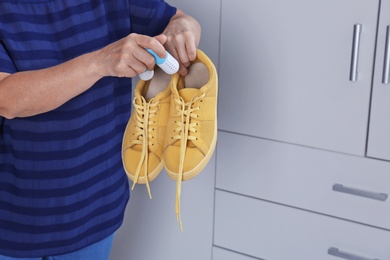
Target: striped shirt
x,y
62,184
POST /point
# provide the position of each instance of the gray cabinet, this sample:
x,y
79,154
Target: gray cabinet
x,y
275,232
329,183
379,132
285,71
301,107
294,177
222,254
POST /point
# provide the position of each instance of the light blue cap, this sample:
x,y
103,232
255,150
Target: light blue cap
x,y
157,58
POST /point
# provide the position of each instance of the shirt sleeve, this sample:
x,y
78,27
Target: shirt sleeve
x,y
150,17
6,64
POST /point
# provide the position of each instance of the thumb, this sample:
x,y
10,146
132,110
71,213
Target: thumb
x,y
162,38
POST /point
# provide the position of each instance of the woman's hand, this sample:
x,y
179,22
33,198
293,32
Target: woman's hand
x,y
182,39
128,57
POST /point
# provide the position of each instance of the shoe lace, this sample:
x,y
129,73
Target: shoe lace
x,y
185,129
145,112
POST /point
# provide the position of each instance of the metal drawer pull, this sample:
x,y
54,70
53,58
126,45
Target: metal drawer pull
x,y
362,193
336,252
357,28
386,65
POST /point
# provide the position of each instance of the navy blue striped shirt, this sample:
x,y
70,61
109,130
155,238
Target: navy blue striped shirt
x,y
62,185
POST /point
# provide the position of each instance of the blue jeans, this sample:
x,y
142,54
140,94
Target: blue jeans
x,y
98,251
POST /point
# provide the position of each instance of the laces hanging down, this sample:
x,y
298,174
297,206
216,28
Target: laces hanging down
x,y
176,129
143,139
145,112
192,124
185,129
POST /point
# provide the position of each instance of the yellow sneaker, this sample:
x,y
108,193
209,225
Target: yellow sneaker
x,y
142,146
192,125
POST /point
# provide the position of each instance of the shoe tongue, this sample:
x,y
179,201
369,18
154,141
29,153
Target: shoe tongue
x,y
188,93
137,95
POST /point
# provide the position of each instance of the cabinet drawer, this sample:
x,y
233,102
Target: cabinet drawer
x,y
274,232
221,254
304,178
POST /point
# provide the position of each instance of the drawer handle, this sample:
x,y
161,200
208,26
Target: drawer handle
x,y
357,28
362,193
336,252
386,65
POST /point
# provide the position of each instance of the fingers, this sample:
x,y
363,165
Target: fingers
x,y
151,43
183,47
191,50
146,59
135,66
183,35
162,38
142,61
128,57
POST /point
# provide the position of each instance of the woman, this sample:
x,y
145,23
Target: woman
x,y
65,98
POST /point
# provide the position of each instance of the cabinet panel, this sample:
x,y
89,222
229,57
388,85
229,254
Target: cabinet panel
x,y
150,230
285,67
221,254
379,133
305,177
275,232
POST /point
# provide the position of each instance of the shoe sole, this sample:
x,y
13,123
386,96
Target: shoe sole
x,y
151,176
